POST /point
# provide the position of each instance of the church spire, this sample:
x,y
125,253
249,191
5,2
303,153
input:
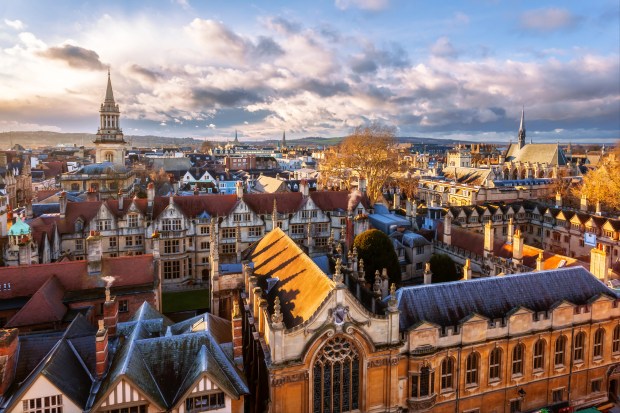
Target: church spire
x,y
522,129
283,139
236,141
109,95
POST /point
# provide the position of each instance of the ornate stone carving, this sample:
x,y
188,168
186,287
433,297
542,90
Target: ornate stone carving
x,y
291,378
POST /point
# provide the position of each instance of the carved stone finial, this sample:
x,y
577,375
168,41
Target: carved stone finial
x,y
393,289
277,317
338,248
355,251
338,274
235,311
392,302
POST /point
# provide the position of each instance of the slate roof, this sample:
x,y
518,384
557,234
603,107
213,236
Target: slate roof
x,y
336,200
45,306
298,281
165,360
449,304
67,365
549,153
286,202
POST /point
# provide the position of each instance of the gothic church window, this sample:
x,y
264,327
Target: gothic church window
x,y
539,355
560,345
495,362
336,377
517,360
597,349
447,373
578,347
471,369
615,342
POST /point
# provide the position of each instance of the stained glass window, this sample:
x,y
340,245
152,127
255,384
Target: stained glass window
x,y
336,377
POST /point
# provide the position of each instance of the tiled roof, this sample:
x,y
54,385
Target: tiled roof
x,y
449,304
73,275
66,364
269,185
165,360
299,282
45,306
336,200
286,202
549,153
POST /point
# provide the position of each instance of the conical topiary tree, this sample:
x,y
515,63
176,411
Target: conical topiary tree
x,y
378,253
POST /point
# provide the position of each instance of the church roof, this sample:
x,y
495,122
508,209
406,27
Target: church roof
x,y
549,153
449,304
471,176
285,271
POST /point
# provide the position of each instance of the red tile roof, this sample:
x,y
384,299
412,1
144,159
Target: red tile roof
x,y
73,275
334,200
45,306
286,202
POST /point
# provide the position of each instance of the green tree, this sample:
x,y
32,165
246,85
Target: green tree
x,y
443,269
377,251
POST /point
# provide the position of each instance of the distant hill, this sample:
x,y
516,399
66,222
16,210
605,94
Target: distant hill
x,y
38,139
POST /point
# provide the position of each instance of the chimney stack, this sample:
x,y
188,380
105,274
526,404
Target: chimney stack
x,y
558,199
92,195
62,200
599,266
598,208
467,273
239,189
539,262
120,200
517,247
396,201
511,231
583,206
9,346
110,312
150,194
489,235
237,334
101,350
447,229
95,250
304,188
361,184
428,275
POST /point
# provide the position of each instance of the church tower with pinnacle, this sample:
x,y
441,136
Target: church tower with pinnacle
x,y
110,143
522,130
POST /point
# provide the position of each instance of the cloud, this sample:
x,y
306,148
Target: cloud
x,y
212,96
15,24
267,47
14,126
282,25
548,20
146,74
443,48
75,56
371,59
371,5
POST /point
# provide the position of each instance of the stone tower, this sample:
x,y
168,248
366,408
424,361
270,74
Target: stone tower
x,y
110,143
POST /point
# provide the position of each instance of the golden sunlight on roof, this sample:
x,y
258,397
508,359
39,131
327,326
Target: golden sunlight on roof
x,y
283,269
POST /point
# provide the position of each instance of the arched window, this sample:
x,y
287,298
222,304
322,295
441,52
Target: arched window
x,y
539,355
517,359
560,348
580,340
615,340
495,363
471,369
79,225
336,377
447,374
109,157
597,348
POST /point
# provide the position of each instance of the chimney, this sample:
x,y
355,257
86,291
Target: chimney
x,y
150,194
539,262
92,195
110,312
101,350
517,247
599,267
408,208
428,275
361,185
583,206
9,346
95,249
489,235
511,231
239,189
447,229
598,208
62,200
120,200
558,200
303,187
396,201
467,269
237,334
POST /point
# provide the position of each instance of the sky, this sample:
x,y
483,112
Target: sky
x,y
440,69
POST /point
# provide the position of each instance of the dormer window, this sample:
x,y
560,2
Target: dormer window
x,y
79,225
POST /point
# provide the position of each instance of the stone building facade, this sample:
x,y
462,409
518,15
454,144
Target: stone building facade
x,y
316,342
